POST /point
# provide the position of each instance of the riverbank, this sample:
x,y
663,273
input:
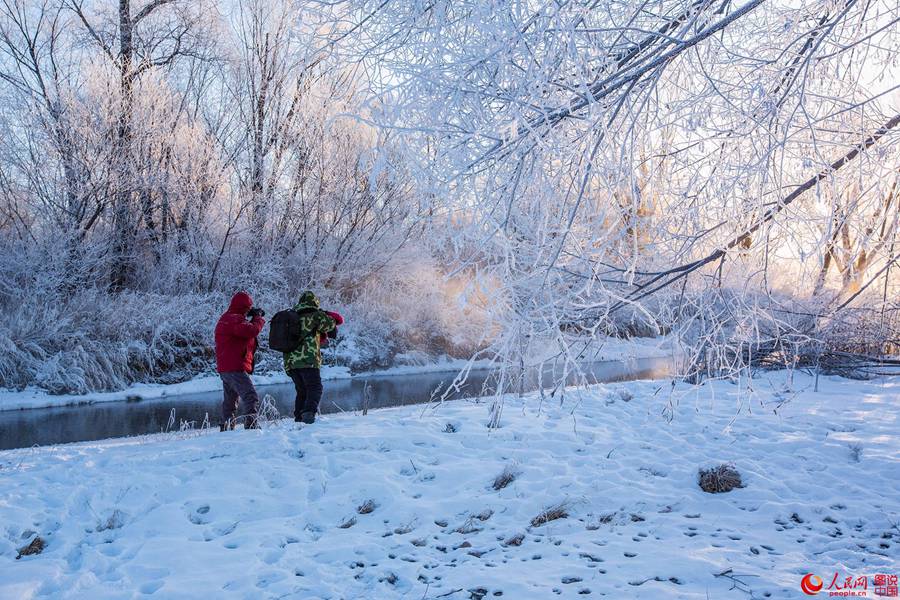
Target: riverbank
x,y
402,503
36,398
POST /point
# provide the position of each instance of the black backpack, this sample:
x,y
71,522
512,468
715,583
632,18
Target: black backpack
x,y
284,331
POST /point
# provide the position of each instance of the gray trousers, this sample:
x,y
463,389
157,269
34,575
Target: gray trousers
x,y
237,385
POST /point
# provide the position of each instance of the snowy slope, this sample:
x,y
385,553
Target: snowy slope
x,y
259,514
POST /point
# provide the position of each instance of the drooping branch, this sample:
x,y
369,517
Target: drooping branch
x,y
670,276
627,74
78,9
148,10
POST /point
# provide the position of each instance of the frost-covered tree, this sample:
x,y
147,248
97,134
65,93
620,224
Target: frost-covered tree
x,y
698,166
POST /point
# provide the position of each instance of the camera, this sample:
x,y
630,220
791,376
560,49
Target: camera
x,y
256,312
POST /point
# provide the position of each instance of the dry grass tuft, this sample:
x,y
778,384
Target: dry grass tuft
x,y
404,529
720,479
607,518
551,513
116,520
468,527
36,546
506,477
367,507
515,540
485,514
347,524
625,395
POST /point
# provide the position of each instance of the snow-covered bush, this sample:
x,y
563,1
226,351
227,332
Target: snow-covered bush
x,y
90,340
413,308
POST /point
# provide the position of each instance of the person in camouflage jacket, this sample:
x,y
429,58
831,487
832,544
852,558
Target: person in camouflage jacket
x,y
303,364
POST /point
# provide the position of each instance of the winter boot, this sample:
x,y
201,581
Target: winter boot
x,y
308,417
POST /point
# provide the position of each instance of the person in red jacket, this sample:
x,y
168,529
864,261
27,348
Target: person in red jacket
x,y
235,346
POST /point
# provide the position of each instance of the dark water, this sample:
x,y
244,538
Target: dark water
x,y
24,428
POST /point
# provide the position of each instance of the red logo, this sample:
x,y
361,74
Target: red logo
x,y
811,584
886,585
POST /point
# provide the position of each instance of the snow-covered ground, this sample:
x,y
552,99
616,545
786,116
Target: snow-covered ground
x,y
31,398
277,513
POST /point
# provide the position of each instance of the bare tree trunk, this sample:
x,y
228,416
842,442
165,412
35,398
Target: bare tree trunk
x,y
124,227
257,175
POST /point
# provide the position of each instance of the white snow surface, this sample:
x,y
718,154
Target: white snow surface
x,y
274,513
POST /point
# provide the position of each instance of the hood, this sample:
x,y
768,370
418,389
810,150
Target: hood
x,y
307,300
240,303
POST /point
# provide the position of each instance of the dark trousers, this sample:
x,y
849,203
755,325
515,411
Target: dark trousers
x,y
308,383
237,385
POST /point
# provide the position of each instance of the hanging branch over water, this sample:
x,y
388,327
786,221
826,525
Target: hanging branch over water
x,y
670,276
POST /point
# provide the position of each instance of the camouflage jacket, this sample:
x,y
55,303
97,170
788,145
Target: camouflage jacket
x,y
313,322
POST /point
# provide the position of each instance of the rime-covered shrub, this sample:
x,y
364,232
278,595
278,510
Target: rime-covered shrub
x,y
719,479
91,340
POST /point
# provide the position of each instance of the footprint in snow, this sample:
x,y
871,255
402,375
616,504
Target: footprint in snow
x,y
316,491
333,468
273,556
220,531
197,516
74,559
267,579
151,587
110,550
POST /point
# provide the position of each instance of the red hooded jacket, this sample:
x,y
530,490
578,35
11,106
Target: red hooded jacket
x,y
236,337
